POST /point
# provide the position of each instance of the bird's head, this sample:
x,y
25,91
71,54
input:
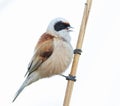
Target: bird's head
x,y
59,27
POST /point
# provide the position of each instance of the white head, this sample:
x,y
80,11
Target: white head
x,y
59,27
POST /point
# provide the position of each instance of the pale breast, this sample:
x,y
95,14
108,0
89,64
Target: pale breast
x,y
59,60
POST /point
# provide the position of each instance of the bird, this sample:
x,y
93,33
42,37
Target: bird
x,y
52,54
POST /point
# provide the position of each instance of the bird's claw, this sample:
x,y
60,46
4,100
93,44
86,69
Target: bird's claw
x,y
70,77
78,51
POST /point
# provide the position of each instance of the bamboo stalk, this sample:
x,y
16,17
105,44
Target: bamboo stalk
x,y
70,83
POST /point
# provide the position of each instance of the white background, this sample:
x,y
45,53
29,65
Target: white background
x,y
98,76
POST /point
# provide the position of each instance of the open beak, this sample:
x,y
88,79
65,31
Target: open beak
x,y
70,29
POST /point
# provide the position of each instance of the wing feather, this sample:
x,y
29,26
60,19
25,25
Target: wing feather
x,y
43,51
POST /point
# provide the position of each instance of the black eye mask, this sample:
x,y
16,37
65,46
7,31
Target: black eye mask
x,y
61,25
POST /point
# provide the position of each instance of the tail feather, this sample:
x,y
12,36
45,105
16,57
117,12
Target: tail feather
x,y
19,91
30,79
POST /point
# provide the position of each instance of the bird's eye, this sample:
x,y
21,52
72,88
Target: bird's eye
x,y
61,25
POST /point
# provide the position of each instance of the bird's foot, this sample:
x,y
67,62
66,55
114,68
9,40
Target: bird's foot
x,y
78,51
70,77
